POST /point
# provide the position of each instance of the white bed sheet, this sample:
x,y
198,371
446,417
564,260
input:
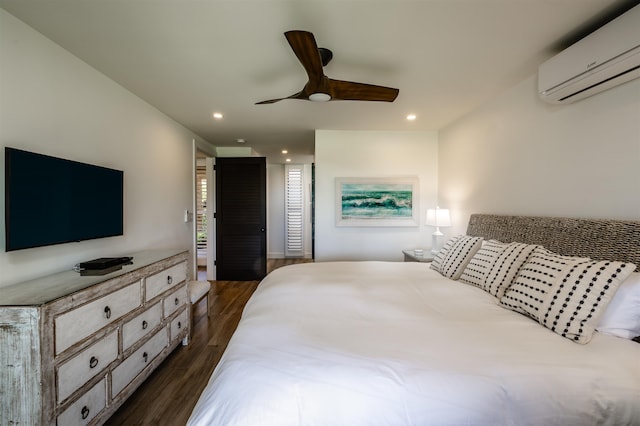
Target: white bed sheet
x,y
390,343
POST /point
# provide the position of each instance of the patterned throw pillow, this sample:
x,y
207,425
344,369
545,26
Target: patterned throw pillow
x,y
535,280
565,294
481,263
442,253
506,267
456,259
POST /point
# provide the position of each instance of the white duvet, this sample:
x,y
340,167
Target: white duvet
x,y
390,343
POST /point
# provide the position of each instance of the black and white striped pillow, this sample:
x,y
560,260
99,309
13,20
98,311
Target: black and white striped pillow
x,y
459,255
481,263
436,264
506,267
535,280
565,294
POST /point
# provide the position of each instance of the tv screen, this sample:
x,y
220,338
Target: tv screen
x,y
51,200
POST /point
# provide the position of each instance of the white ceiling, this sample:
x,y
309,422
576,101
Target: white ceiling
x,y
192,58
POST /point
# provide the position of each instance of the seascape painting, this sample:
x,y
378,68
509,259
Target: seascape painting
x,y
376,202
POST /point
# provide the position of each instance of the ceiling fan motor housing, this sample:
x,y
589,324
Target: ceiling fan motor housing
x,y
325,55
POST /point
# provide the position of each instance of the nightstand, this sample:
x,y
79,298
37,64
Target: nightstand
x,y
409,256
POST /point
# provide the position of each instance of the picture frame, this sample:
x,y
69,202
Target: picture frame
x,y
377,201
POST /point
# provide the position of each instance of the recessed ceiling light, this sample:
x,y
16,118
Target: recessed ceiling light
x,y
217,115
240,140
288,160
411,117
284,151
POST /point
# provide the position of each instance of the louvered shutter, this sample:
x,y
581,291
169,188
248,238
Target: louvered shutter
x,y
294,211
201,209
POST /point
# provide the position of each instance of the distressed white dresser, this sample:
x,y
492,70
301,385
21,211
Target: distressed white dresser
x,y
74,347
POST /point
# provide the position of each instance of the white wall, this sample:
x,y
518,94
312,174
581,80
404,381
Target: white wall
x,y
372,154
275,211
519,155
55,104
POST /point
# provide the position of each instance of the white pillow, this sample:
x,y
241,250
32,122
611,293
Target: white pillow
x,y
622,317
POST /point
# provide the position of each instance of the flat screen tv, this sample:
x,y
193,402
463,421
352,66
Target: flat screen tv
x,y
51,200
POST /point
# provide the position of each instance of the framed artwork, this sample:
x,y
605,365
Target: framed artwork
x,y
389,201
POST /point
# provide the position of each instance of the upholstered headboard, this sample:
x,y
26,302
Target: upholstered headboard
x,y
595,238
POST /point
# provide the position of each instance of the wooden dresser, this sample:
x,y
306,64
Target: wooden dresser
x,y
74,347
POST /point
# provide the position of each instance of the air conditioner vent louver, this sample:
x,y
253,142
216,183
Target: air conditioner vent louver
x,y
610,79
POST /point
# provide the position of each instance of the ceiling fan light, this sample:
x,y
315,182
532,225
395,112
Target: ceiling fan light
x,y
319,97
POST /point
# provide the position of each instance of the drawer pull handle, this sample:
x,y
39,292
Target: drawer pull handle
x,y
169,279
107,312
144,325
93,362
179,325
145,356
176,301
85,412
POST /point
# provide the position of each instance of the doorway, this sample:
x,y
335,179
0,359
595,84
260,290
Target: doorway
x,y
204,247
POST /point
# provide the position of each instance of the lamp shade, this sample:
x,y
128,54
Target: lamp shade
x,y
438,217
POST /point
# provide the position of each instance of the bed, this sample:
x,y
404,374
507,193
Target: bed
x,y
391,343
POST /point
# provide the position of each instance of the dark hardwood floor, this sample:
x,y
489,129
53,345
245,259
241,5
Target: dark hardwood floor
x,y
170,393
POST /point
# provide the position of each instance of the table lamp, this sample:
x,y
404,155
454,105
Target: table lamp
x,y
437,217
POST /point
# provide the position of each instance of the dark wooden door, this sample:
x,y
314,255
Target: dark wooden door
x,y
241,219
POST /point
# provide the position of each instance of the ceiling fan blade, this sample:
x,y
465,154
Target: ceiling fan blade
x,y
350,91
321,88
304,46
299,95
270,101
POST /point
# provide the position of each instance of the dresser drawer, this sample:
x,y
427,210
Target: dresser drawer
x,y
86,407
175,301
78,370
141,325
75,325
137,361
165,280
178,324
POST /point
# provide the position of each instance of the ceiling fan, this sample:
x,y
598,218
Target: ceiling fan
x,y
321,88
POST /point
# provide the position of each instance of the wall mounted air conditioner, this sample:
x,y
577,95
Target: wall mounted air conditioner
x,y
605,58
